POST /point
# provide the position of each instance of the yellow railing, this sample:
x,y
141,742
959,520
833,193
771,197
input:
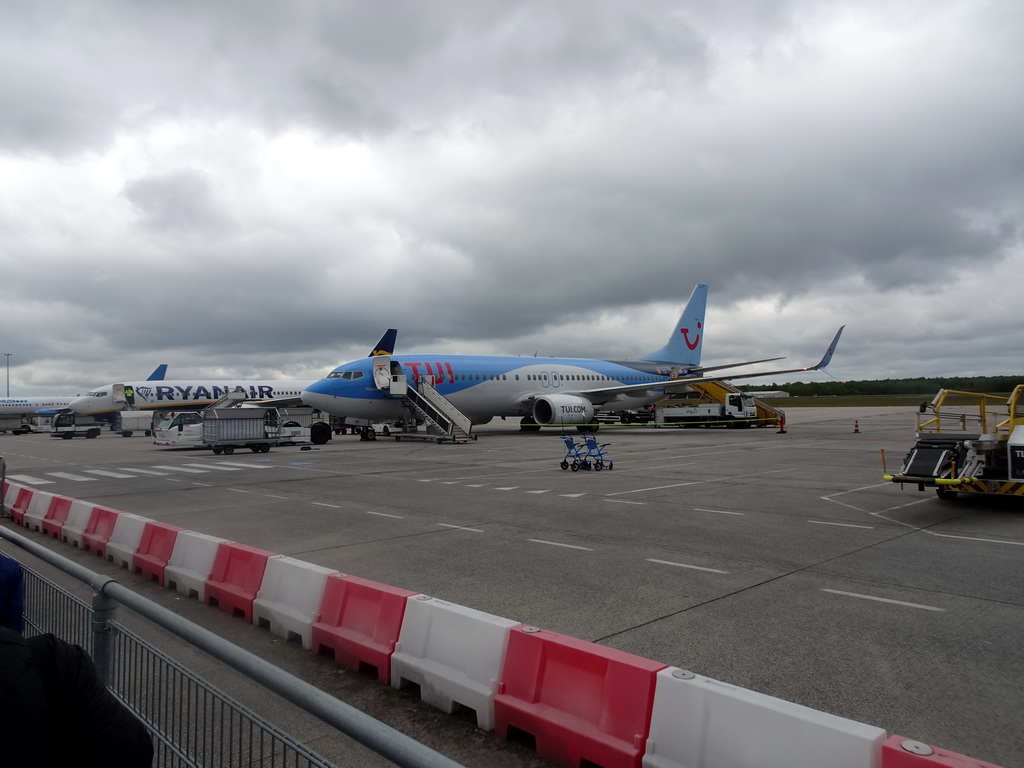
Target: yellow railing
x,y
993,415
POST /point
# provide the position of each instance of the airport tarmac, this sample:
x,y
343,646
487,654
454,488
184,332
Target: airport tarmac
x,y
780,563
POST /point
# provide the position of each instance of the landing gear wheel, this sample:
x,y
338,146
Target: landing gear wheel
x,y
575,466
564,464
320,433
228,450
527,424
218,451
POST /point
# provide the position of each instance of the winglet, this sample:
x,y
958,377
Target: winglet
x,y
386,345
827,357
159,373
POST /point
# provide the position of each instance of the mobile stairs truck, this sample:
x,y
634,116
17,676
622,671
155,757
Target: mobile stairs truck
x,y
969,443
715,404
421,403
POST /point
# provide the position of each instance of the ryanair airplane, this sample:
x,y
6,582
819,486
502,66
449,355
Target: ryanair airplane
x,y
107,401
10,406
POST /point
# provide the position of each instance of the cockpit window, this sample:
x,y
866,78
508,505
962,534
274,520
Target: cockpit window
x,y
97,393
347,375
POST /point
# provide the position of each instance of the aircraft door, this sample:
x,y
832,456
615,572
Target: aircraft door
x,y
118,391
399,384
382,372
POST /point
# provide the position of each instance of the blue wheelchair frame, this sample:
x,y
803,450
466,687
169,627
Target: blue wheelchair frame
x,y
575,455
596,453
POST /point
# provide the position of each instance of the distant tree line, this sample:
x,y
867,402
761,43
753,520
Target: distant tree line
x,y
922,386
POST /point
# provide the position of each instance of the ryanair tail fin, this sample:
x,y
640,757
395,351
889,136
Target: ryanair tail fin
x,y
386,345
687,339
159,373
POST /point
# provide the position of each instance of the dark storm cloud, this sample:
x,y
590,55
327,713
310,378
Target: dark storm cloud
x,y
180,202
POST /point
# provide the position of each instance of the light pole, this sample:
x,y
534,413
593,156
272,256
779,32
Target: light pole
x,y
8,356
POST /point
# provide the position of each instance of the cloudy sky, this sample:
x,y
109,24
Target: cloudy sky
x,y
255,188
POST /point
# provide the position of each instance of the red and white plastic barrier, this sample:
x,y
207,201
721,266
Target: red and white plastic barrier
x,y
699,721
191,562
453,653
236,577
360,621
125,538
580,701
155,549
289,597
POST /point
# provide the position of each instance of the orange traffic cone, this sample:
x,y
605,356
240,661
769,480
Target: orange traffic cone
x,y
856,427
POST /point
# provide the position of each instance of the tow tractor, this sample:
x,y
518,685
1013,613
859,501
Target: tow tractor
x,y
969,443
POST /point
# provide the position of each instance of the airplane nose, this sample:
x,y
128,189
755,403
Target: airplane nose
x,y
316,400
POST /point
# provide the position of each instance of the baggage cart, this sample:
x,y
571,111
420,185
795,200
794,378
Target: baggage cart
x,y
225,429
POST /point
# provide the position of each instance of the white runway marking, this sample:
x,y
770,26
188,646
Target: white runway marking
x,y
976,538
571,495
143,471
476,485
546,490
243,466
842,525
685,565
556,544
507,488
221,467
884,600
623,501
700,482
30,480
68,476
717,511
178,468
385,514
324,504
106,473
460,527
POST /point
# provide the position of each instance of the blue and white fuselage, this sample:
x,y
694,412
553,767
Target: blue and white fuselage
x,y
485,386
546,391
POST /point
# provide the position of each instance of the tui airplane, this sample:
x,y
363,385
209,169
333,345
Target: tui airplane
x,y
546,391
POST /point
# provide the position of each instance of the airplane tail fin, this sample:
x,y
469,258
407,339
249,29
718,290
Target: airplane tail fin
x,y
159,373
687,339
386,345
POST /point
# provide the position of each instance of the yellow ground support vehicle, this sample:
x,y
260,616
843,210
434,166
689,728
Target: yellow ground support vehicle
x,y
970,443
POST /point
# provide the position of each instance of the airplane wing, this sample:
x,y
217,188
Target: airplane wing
x,y
604,394
733,365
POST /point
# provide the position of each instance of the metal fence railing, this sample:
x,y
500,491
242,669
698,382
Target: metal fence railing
x,y
192,722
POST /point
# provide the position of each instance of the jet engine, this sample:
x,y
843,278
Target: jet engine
x,y
555,410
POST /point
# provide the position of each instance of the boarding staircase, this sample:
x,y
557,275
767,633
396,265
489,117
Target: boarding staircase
x,y
444,420
422,402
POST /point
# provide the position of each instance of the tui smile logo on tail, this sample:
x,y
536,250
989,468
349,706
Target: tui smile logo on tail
x,y
686,336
